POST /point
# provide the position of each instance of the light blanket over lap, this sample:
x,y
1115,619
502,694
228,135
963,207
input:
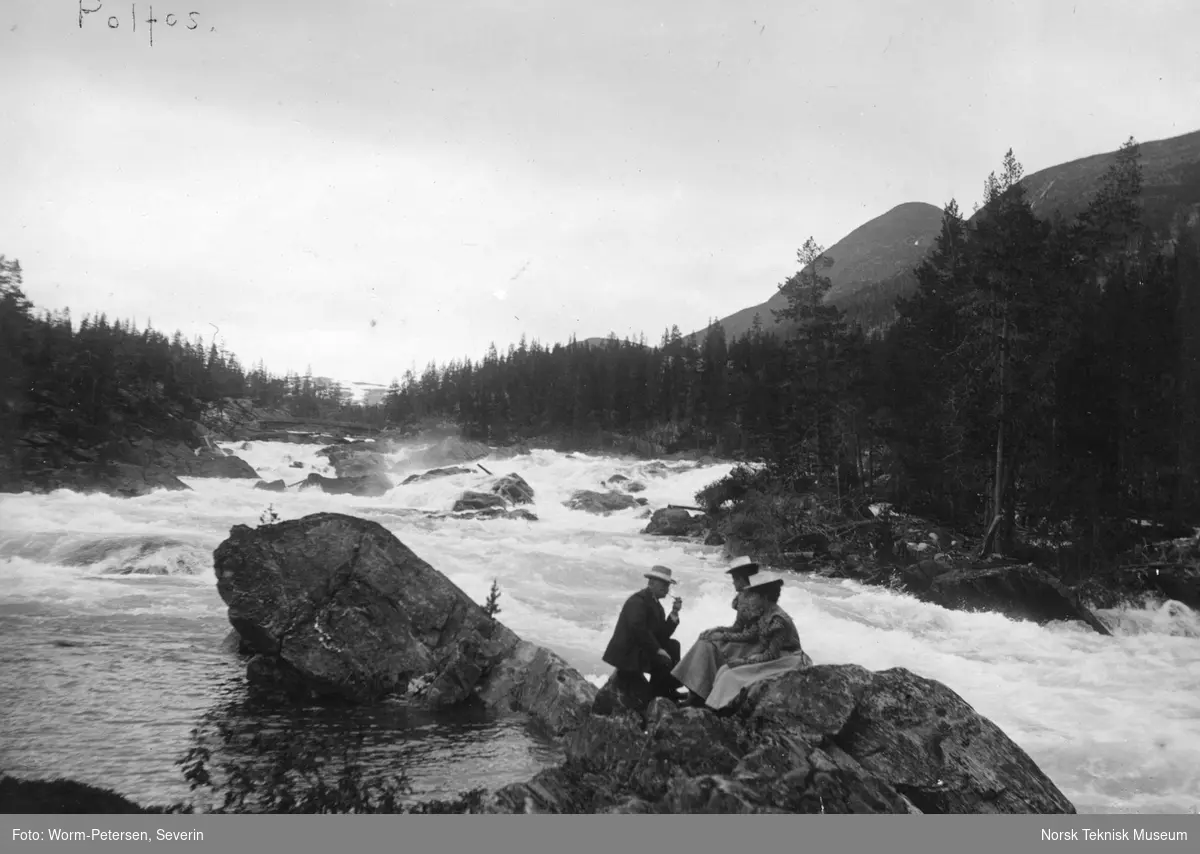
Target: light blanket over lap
x,y
697,669
729,681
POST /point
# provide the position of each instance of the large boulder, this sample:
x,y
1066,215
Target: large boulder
x,y
602,503
435,473
1021,592
675,522
336,606
479,501
370,486
824,739
184,461
356,459
451,450
514,488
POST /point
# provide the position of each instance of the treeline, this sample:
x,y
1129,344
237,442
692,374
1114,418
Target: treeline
x,y
96,382
1047,374
1044,377
685,392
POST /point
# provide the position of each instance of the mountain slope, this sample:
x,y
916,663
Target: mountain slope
x,y
874,262
1170,181
877,250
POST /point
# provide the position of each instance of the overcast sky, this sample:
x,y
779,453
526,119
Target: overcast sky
x,y
364,186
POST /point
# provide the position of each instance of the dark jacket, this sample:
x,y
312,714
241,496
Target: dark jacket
x,y
641,631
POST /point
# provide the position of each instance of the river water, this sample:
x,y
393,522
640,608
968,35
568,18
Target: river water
x,y
113,650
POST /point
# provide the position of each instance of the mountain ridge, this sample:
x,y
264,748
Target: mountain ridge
x,y
881,254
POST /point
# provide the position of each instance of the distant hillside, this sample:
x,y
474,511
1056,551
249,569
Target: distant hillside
x,y
597,342
873,264
1170,181
887,246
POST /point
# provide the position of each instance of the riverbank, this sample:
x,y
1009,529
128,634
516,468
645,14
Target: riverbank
x,y
849,536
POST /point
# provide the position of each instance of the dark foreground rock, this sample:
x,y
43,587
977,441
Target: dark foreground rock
x,y
336,606
61,796
825,739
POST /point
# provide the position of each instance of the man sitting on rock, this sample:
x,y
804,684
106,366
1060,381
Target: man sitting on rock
x,y
642,642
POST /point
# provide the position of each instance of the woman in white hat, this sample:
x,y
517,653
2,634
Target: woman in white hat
x,y
739,572
764,642
699,667
773,645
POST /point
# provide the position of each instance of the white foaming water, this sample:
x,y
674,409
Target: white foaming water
x,y
113,630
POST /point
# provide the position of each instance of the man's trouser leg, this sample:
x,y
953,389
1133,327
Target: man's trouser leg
x,y
662,683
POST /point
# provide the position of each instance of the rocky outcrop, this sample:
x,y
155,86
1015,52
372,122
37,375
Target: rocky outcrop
x,y
514,488
499,513
622,694
355,459
1019,592
1180,582
435,473
479,501
675,522
1169,569
336,606
273,486
369,486
620,481
824,739
602,503
451,450
124,480
240,419
131,466
179,459
62,797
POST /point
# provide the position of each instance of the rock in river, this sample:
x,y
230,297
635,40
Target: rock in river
x,y
333,605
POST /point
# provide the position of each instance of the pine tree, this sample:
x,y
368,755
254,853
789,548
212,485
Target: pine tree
x,y
816,345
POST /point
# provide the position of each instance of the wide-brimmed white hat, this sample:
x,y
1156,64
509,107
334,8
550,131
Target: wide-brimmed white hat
x,y
742,566
761,583
662,573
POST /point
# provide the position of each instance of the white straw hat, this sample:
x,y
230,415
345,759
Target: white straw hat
x,y
742,566
760,583
662,573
